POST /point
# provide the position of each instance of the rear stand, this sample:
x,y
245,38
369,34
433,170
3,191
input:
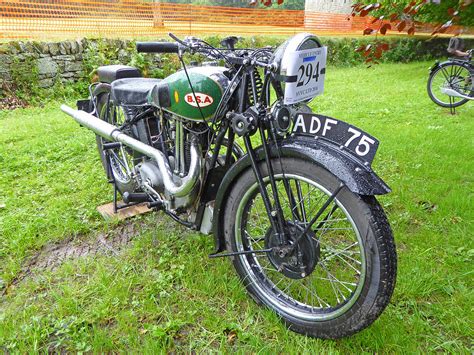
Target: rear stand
x,y
106,148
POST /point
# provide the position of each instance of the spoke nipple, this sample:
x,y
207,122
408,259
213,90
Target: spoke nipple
x,y
274,213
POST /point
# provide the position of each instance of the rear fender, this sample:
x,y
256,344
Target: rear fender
x,y
101,88
89,105
457,61
358,178
434,66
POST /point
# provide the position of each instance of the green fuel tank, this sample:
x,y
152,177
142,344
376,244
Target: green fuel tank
x,y
209,84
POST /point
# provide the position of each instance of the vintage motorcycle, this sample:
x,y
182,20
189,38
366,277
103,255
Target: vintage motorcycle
x,y
297,214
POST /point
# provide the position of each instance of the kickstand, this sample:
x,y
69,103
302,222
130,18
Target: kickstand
x,y
452,108
111,177
112,181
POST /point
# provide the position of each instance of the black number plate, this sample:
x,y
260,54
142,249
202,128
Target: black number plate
x,y
352,139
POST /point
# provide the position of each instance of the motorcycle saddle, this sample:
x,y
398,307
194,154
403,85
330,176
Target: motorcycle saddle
x,y
109,73
132,91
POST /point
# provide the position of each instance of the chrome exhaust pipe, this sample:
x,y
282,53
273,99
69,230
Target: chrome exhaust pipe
x,y
451,92
174,184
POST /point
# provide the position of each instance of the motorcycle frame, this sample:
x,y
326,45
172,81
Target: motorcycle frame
x,y
264,125
354,175
246,79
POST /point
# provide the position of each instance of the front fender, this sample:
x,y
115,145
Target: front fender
x,y
359,178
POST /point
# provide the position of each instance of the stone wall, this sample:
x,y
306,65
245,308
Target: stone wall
x,y
43,64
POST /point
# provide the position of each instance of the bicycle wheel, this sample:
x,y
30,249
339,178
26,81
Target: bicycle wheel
x,y
453,76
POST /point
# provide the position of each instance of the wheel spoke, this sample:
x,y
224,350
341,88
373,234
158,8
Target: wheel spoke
x,y
348,264
127,168
338,252
269,269
445,74
118,160
290,201
340,255
333,279
253,239
292,281
301,201
342,282
315,294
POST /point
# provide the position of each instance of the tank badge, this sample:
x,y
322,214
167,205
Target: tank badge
x,y
176,96
202,99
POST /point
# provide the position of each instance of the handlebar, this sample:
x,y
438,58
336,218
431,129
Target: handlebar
x,y
157,47
195,45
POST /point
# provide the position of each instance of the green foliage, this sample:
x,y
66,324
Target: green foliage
x,y
102,51
403,49
289,5
24,73
439,13
429,12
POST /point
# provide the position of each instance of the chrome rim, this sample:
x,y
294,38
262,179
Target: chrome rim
x,y
338,277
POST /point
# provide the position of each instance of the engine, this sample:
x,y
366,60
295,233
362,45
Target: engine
x,y
173,136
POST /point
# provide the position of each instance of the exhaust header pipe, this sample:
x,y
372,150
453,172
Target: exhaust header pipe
x,y
175,185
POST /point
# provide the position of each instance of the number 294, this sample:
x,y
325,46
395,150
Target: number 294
x,y
306,73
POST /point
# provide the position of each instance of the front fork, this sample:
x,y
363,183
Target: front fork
x,y
274,212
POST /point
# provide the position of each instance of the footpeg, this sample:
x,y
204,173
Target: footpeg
x,y
135,197
157,205
111,145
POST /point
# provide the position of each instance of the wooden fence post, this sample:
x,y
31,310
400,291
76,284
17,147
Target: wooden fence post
x,y
157,14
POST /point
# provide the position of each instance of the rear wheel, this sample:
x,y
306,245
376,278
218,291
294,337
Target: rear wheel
x,y
450,76
121,159
341,274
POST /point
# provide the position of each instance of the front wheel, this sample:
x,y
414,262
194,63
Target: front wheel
x,y
453,76
341,274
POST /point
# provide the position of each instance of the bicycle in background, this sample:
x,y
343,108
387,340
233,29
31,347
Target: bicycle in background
x,y
451,83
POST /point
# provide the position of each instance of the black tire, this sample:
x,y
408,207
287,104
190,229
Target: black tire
x,y
123,184
455,75
370,225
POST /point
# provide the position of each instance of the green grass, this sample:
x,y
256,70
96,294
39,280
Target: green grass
x,y
163,293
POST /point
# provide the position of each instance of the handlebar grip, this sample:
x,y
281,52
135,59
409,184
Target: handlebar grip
x,y
157,47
